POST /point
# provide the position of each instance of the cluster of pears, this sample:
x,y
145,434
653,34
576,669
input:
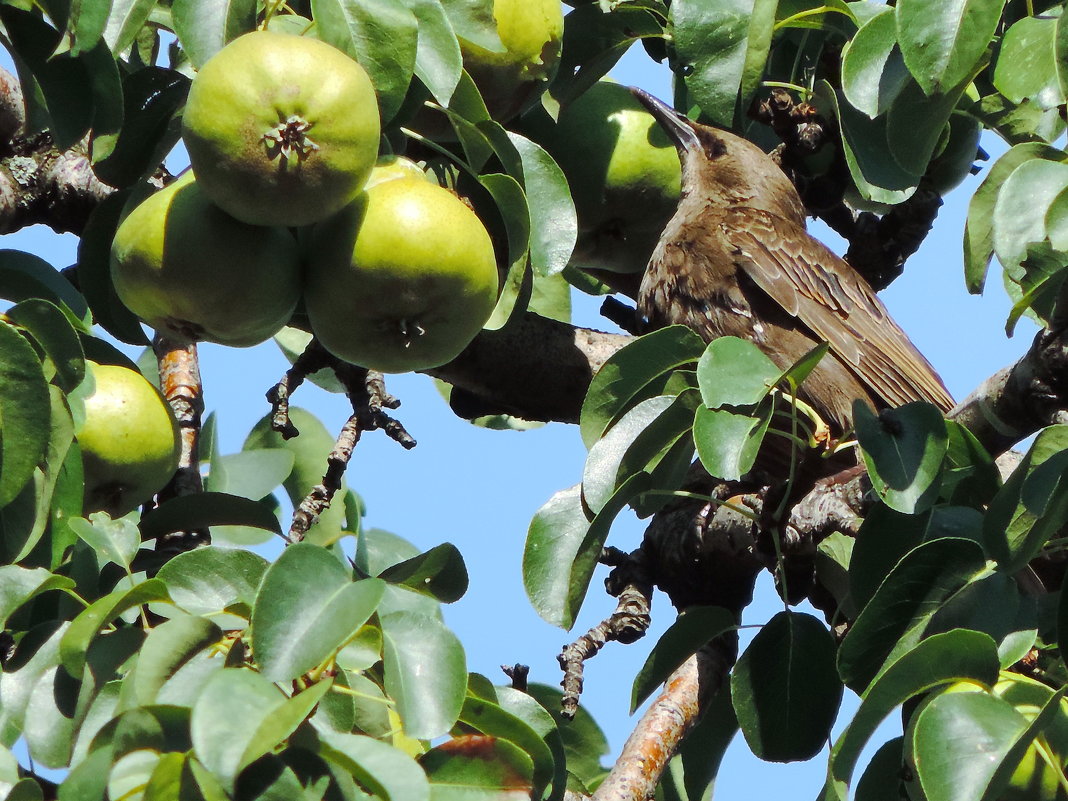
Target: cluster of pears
x,y
284,203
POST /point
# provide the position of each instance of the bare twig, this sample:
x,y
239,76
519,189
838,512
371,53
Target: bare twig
x,y
629,582
179,374
517,674
667,721
312,359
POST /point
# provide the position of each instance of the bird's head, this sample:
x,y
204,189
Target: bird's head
x,y
723,168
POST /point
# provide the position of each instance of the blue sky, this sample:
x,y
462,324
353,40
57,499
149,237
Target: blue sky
x,y
478,489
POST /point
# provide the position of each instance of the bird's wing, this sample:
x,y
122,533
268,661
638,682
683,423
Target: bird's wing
x,y
826,294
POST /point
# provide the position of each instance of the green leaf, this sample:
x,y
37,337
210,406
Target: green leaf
x,y
886,536
306,608
205,581
115,541
1027,67
895,619
785,690
903,450
553,225
727,442
943,42
494,721
386,771
252,473
876,173
94,272
735,372
916,124
478,767
204,27
721,48
378,550
634,444
962,740
241,716
953,656
62,78
873,69
1019,214
694,627
1033,504
979,229
512,205
438,61
124,23
204,509
563,547
425,672
381,35
105,84
36,654
24,412
19,584
86,22
152,97
583,741
439,573
631,374
881,780
24,275
56,336
168,648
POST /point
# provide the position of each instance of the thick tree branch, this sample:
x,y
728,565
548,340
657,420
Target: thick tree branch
x,y
1019,400
534,368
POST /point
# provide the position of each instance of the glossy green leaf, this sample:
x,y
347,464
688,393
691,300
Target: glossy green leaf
x,y
124,23
1027,63
252,473
895,619
873,69
583,741
88,624
63,79
208,580
115,541
94,272
979,229
943,42
378,550
563,547
492,720
553,225
785,690
721,49
626,376
1033,504
478,767
24,275
381,35
204,27
1019,214
240,716
386,771
167,649
734,372
728,442
152,97
876,174
694,627
473,21
24,412
438,61
633,444
881,780
917,124
190,512
19,584
53,331
903,450
307,607
523,706
946,657
886,536
517,282
439,573
425,672
36,654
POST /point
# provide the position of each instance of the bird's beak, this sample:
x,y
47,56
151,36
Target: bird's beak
x,y
675,125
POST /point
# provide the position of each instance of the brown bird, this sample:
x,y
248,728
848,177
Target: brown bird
x,y
736,260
